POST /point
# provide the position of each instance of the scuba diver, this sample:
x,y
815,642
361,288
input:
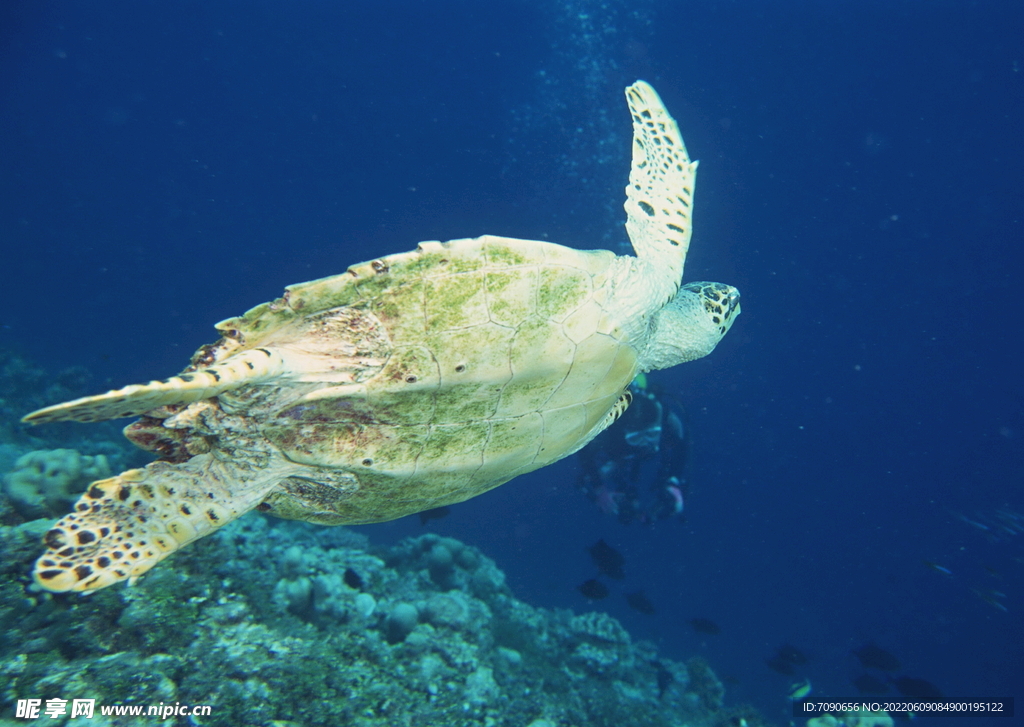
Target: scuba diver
x,y
650,435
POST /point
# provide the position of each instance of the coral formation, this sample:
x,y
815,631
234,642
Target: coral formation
x,y
46,482
852,719
422,633
25,387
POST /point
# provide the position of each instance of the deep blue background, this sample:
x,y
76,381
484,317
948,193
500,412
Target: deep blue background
x,y
164,166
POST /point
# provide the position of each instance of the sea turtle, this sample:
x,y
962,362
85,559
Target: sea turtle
x,y
409,382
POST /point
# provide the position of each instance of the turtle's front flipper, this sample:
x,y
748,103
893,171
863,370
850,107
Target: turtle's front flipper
x,y
247,367
123,526
659,198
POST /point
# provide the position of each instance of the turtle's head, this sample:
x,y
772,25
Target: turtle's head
x,y
690,325
720,304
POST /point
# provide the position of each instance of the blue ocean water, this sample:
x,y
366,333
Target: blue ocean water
x,y
163,167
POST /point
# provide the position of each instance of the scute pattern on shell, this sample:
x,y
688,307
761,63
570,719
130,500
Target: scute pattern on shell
x,y
490,373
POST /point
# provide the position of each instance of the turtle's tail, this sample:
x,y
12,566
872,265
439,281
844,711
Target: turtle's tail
x,y
123,526
246,367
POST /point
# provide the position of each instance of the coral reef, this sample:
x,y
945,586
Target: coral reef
x,y
25,387
283,623
46,482
852,719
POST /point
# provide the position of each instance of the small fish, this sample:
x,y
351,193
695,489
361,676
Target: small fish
x,y
705,626
917,689
593,590
608,560
799,691
973,523
991,571
353,579
639,601
1012,520
872,657
938,568
434,513
867,684
780,665
991,597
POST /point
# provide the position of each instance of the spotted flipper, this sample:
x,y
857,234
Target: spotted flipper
x,y
123,526
617,410
659,198
246,367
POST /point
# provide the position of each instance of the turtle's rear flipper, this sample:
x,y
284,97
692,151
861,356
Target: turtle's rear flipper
x,y
123,526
